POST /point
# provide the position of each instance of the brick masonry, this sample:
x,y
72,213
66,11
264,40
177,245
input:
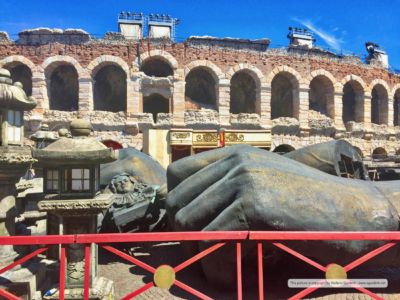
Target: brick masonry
x,y
223,62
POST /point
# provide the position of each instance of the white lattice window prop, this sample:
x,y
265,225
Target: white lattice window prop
x,y
52,180
14,118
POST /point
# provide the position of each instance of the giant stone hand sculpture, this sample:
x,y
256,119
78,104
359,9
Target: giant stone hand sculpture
x,y
245,188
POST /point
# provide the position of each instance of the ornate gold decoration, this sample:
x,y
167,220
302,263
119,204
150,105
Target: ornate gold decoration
x,y
234,137
180,135
164,277
208,137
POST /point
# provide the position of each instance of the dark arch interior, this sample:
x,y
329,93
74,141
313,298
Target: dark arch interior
x,y
109,90
23,74
282,97
396,108
379,105
64,88
379,153
321,95
155,104
200,89
283,149
156,67
243,94
352,91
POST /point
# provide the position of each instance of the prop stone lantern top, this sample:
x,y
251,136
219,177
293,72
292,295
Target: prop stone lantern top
x,y
72,165
13,103
43,137
14,158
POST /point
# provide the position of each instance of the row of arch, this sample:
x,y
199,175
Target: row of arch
x,y
378,152
203,80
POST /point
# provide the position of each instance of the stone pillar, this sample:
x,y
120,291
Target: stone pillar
x,y
390,112
86,94
338,110
301,106
224,102
134,96
178,103
265,106
39,91
366,117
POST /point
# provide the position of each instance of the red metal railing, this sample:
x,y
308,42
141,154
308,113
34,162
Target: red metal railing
x,y
221,238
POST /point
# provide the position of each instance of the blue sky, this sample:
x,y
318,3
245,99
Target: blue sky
x,y
344,25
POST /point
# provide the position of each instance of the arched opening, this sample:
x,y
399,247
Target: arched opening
x,y
359,151
321,96
112,144
200,89
155,104
379,153
284,98
282,149
109,89
379,105
243,94
353,99
156,67
22,73
396,108
63,88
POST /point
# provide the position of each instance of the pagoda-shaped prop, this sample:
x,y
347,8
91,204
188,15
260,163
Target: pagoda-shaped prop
x,y
72,200
15,160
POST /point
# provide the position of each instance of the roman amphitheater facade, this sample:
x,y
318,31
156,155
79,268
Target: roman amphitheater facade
x,y
127,88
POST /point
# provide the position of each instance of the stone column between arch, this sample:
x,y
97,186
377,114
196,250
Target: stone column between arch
x,y
39,91
223,102
390,112
134,96
178,103
338,110
85,95
366,118
265,99
301,105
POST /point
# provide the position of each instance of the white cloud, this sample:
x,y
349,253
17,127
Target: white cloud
x,y
330,39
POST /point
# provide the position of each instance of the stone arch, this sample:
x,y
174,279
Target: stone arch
x,y
156,53
322,72
213,69
96,64
353,99
285,89
379,102
379,153
283,148
62,80
202,85
381,82
356,79
18,59
157,67
296,75
21,70
245,89
322,93
395,90
250,69
52,62
396,106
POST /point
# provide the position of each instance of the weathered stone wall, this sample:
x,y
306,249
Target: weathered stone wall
x,y
42,50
